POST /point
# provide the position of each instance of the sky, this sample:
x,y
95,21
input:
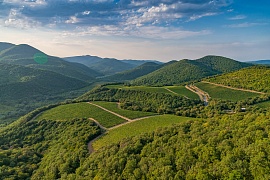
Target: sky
x,y
161,30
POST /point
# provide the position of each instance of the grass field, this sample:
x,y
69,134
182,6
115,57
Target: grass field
x,y
223,93
82,110
138,127
182,91
112,106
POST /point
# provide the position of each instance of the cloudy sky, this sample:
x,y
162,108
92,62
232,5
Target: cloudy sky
x,y
138,29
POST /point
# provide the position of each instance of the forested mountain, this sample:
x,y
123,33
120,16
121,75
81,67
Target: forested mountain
x,y
106,66
266,62
140,62
29,56
189,70
228,147
4,46
23,89
139,71
30,78
253,78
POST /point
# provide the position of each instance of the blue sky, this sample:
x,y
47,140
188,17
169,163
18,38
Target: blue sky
x,y
138,29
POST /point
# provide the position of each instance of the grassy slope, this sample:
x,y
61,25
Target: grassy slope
x,y
82,110
189,70
136,128
112,106
181,90
223,93
253,78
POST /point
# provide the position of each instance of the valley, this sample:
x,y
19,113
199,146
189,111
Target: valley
x,y
84,118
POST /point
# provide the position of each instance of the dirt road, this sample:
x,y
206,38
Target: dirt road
x,y
204,96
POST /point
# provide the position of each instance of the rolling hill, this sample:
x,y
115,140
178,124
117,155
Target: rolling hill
x,y
264,62
134,73
106,66
253,78
31,57
181,71
4,46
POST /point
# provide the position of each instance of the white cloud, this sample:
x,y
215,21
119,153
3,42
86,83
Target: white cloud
x,y
86,12
245,25
31,3
238,17
17,20
72,20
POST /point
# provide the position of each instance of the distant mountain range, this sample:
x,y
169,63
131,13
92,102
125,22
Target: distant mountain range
x,y
263,62
189,70
107,66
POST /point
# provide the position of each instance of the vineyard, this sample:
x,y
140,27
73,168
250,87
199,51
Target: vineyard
x,y
136,128
82,110
223,93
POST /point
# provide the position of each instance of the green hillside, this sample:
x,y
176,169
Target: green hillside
x,y
29,56
189,70
253,78
4,45
24,88
229,147
139,71
106,66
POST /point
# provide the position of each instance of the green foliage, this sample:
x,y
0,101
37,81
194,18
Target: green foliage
x,y
253,78
139,71
223,93
136,128
44,149
143,101
113,106
81,110
189,70
23,89
230,147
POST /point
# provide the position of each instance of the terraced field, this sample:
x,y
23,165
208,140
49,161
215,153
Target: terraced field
x,y
223,93
81,110
112,106
138,127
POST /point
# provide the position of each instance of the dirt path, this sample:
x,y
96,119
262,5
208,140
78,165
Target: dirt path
x,y
239,89
90,143
204,96
123,117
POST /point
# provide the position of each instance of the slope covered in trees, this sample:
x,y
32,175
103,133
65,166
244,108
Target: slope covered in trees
x,y
106,66
45,149
29,56
253,78
189,70
23,89
230,147
139,71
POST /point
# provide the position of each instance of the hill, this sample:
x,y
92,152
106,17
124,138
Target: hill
x,y
265,62
4,46
23,89
29,56
106,66
253,78
139,71
141,62
189,70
